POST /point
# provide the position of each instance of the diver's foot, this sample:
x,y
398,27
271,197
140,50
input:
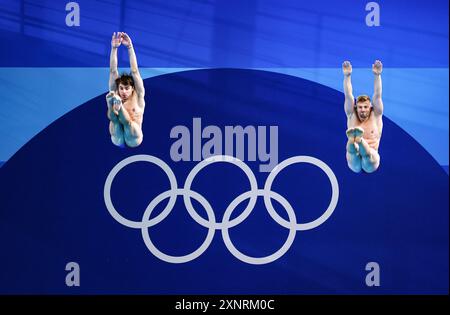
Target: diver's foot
x,y
109,98
350,133
358,132
117,104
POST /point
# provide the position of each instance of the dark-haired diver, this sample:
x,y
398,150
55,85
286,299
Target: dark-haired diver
x,y
125,99
364,122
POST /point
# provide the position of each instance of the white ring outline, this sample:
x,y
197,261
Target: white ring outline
x,y
280,252
174,191
116,169
186,258
253,188
334,194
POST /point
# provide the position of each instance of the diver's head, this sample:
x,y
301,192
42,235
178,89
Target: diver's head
x,y
125,86
363,107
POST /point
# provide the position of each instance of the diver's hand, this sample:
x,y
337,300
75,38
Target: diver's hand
x,y
126,40
377,67
116,40
347,68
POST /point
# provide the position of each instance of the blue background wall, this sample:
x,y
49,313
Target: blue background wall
x,y
53,76
43,62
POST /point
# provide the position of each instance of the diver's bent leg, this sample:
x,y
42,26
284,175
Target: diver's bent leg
x,y
111,116
370,159
358,133
115,127
133,134
117,134
353,157
124,117
132,131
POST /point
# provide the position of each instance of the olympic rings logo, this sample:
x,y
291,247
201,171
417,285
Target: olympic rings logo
x,y
211,224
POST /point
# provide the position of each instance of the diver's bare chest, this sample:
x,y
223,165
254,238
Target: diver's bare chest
x,y
370,129
132,109
370,126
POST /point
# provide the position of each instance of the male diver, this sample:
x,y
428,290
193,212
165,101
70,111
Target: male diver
x,y
125,99
364,122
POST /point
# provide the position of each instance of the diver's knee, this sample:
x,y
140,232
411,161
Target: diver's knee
x,y
370,168
118,141
370,165
355,166
134,142
354,162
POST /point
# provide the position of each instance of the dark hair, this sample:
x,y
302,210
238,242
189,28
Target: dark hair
x,y
125,79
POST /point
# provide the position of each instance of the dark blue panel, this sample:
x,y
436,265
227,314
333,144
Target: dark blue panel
x,y
53,212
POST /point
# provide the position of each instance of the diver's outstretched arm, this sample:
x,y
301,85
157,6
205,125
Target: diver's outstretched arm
x,y
113,72
377,102
348,89
138,83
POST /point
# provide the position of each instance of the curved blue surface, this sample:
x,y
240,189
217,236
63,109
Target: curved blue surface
x,y
53,212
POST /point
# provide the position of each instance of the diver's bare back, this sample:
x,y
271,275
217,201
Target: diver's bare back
x,y
373,128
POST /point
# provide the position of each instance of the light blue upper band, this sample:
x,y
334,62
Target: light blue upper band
x,y
414,98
